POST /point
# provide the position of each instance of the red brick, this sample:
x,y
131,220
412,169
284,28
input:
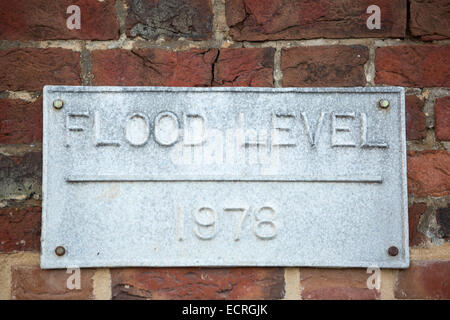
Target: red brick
x,y
153,67
429,173
415,212
20,121
33,283
20,176
336,284
244,67
324,66
20,229
47,20
198,283
416,126
413,66
150,19
424,280
429,19
31,69
442,118
257,20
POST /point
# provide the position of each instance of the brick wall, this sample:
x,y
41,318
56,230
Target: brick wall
x,y
278,43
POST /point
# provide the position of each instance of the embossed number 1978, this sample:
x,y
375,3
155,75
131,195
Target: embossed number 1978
x,y
205,222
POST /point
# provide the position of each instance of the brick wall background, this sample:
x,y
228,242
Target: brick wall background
x,y
278,43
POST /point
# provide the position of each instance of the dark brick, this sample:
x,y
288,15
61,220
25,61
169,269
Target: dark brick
x,y
20,177
150,19
443,220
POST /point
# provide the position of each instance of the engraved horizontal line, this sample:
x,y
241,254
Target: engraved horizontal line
x,y
113,89
268,178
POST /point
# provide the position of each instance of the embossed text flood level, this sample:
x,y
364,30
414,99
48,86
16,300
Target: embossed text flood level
x,y
161,176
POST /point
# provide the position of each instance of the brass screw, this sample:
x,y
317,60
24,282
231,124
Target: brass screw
x,y
60,251
58,104
383,103
393,251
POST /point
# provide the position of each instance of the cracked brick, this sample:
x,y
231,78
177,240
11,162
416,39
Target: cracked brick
x,y
255,20
153,67
196,67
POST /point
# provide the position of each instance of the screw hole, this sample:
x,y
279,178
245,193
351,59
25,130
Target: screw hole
x,y
393,251
60,251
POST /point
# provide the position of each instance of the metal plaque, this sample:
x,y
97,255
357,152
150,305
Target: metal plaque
x,y
161,176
